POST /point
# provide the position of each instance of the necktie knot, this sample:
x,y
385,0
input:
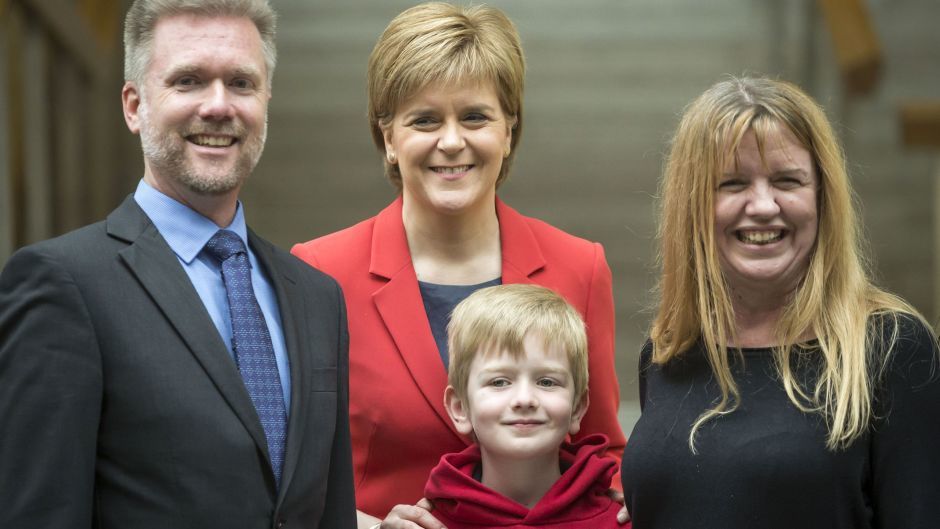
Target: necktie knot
x,y
224,244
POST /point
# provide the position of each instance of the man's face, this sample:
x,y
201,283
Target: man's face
x,y
202,108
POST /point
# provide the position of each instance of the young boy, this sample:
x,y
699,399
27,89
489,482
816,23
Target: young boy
x,y
518,381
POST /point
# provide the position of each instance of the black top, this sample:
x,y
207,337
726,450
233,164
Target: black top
x,y
765,465
439,303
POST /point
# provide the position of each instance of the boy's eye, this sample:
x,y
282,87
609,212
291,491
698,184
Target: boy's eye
x,y
547,382
499,382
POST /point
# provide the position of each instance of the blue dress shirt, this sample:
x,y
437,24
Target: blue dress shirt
x,y
187,232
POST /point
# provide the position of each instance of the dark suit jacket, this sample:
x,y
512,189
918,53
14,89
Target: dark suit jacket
x,y
120,406
400,428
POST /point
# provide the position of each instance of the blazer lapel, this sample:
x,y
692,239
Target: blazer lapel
x,y
522,255
402,310
291,305
155,265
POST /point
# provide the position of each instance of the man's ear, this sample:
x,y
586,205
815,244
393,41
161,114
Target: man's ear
x,y
130,101
458,410
580,408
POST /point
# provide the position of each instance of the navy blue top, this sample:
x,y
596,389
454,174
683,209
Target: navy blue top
x,y
765,465
439,303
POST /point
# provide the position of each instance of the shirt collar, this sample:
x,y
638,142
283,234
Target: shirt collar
x,y
185,230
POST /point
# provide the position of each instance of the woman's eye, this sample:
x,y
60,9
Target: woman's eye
x,y
475,117
788,183
731,185
423,122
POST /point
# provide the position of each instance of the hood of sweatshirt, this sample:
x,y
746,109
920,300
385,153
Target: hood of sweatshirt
x,y
578,497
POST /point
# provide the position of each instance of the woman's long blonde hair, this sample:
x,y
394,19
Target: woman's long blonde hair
x,y
834,302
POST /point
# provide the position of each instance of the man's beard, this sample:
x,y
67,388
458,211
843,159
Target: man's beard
x,y
165,151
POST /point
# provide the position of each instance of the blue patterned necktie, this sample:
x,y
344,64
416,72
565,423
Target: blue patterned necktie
x,y
251,342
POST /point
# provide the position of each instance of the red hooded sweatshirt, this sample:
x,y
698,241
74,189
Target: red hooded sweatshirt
x,y
578,500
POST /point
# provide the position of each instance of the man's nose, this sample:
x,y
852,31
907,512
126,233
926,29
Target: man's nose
x,y
217,103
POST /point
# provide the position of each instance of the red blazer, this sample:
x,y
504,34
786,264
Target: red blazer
x,y
400,428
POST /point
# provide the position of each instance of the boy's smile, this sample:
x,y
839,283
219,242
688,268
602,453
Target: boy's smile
x,y
519,408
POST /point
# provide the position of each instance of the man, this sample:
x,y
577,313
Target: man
x,y
167,368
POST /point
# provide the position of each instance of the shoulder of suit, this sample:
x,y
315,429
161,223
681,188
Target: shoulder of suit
x,y
87,243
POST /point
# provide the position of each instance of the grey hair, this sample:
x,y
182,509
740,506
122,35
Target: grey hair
x,y
143,16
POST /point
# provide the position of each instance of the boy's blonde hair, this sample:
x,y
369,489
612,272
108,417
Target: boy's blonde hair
x,y
497,319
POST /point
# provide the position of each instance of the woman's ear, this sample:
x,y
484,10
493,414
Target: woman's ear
x,y
510,128
458,410
390,153
580,408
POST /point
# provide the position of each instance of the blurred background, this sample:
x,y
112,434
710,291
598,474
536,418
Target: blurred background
x,y
607,81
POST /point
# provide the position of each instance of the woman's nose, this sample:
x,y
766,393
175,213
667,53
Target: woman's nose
x,y
762,201
451,140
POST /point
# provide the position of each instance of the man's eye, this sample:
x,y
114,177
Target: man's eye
x,y
187,81
242,84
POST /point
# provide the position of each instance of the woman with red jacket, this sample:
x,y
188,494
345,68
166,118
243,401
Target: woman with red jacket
x,y
445,90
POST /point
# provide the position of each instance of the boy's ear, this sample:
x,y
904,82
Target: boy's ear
x,y
458,410
577,414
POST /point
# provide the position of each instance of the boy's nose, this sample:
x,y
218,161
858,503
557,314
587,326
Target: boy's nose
x,y
524,397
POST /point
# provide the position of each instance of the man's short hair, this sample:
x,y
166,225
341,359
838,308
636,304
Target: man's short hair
x,y
143,16
497,319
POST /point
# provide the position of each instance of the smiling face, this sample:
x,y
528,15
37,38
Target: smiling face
x,y
766,214
202,109
449,143
518,408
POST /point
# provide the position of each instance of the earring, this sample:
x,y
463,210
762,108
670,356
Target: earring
x,y
392,159
508,150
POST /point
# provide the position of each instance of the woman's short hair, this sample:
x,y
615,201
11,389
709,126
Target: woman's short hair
x,y
497,320
439,42
143,16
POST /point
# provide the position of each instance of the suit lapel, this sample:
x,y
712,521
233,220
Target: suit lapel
x,y
291,304
402,310
155,265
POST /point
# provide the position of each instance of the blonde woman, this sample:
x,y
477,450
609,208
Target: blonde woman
x,y
445,88
780,387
